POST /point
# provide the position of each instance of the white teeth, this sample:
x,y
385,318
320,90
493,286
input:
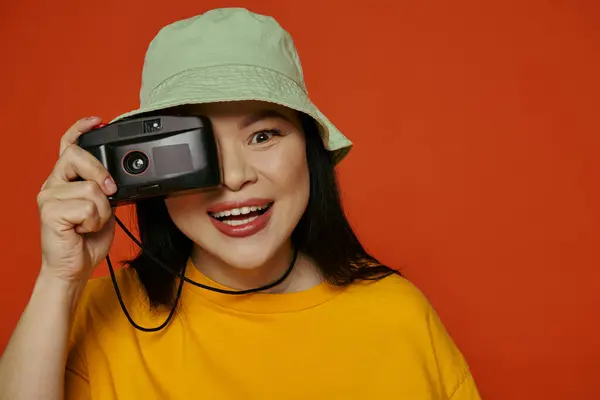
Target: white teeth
x,y
238,211
234,222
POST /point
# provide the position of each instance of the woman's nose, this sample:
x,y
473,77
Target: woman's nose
x,y
237,172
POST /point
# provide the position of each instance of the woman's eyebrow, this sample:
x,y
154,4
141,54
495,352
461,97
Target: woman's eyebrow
x,y
260,115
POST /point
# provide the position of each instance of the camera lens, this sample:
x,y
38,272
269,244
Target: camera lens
x,y
135,162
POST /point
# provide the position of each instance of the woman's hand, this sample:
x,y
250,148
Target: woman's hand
x,y
77,224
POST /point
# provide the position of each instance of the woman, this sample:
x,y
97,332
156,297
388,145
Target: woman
x,y
340,325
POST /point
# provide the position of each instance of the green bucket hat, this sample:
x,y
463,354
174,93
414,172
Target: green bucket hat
x,y
229,54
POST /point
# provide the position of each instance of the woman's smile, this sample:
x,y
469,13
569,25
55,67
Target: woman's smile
x,y
241,219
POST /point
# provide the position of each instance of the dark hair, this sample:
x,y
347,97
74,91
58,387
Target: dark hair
x,y
323,233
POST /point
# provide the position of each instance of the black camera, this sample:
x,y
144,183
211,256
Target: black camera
x,y
156,156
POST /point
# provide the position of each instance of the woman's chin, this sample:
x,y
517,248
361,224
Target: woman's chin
x,y
243,257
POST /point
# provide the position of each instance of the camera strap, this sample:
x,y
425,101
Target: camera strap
x,y
182,279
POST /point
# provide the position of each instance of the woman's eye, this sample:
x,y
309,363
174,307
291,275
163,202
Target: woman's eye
x,y
263,136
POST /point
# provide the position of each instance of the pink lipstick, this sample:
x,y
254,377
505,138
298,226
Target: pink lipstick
x,y
241,219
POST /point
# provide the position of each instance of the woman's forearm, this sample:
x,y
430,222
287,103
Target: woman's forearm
x,y
33,363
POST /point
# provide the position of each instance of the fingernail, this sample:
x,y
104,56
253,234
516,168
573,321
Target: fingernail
x,y
92,118
110,185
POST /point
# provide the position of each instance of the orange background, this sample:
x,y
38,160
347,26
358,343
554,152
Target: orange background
x,y
475,168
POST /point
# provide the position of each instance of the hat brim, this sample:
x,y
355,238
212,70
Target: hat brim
x,y
237,83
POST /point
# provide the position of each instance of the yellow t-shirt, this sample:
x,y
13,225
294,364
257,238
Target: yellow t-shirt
x,y
372,340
